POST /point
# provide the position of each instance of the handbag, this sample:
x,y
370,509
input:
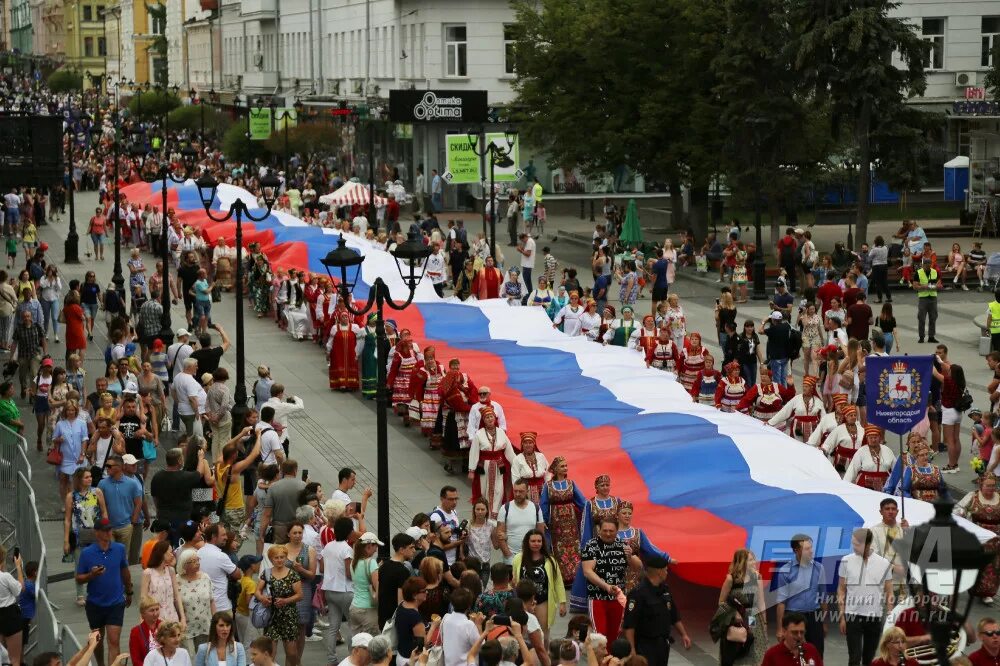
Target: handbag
x,y
389,630
260,615
736,633
964,402
148,450
54,456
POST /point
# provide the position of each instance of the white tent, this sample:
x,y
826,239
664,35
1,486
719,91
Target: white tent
x,y
349,194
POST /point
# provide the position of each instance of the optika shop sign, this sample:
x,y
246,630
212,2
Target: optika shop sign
x,y
437,106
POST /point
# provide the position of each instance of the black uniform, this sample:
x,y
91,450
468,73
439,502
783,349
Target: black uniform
x,y
652,613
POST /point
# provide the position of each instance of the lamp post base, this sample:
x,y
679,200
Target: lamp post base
x,y
71,254
759,278
239,413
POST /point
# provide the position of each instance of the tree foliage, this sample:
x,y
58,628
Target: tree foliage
x,y
151,104
65,80
189,117
304,139
236,146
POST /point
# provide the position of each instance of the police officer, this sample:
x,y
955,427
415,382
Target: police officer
x,y
926,287
650,612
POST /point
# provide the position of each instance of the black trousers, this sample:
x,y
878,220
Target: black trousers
x,y
863,634
814,629
880,282
655,650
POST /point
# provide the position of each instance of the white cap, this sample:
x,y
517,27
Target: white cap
x,y
361,640
369,537
777,315
130,459
131,387
182,332
416,532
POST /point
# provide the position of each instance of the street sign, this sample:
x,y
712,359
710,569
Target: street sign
x,y
462,162
260,124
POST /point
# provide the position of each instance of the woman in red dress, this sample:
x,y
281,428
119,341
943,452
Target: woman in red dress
x,y
983,508
405,357
424,391
343,345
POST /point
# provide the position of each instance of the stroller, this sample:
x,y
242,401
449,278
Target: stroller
x,y
992,275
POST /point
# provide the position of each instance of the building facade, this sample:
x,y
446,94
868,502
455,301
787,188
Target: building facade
x,y
84,42
20,27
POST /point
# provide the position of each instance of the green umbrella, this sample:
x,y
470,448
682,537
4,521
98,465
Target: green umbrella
x,y
631,231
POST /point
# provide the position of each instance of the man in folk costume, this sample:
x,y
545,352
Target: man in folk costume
x,y
731,388
326,312
706,382
644,339
487,282
805,411
692,361
312,291
829,421
571,316
457,397
491,457
845,440
405,357
475,413
765,398
425,385
871,465
664,355
343,349
620,331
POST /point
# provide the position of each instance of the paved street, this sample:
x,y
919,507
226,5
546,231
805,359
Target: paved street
x,y
339,430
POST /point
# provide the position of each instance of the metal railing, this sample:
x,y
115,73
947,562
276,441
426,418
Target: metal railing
x,y
20,526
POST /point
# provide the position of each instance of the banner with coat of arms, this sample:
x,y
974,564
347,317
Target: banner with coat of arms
x,y
896,388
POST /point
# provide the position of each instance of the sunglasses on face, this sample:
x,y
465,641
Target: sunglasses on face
x,y
991,634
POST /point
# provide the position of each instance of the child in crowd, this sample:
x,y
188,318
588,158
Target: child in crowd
x,y
26,600
250,566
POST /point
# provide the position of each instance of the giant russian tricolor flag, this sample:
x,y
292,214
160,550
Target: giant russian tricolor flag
x,y
704,483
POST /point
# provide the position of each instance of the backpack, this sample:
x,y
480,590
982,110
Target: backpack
x,y
112,301
35,270
794,344
506,512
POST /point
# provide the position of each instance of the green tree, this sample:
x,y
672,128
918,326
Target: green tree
x,y
236,145
992,80
65,80
189,117
304,139
844,50
152,104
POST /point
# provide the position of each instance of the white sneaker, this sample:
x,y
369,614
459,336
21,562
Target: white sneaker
x,y
320,622
312,638
988,601
964,288
57,338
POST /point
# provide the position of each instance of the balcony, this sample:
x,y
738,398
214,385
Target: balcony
x,y
265,10
260,81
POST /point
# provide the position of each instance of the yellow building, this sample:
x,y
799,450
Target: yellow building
x,y
135,31
85,42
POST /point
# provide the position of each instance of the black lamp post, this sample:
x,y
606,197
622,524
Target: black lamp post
x,y
207,186
759,265
284,116
414,253
163,173
849,165
499,157
946,559
71,249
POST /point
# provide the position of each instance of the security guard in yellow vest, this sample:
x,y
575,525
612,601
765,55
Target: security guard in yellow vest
x,y
993,321
926,286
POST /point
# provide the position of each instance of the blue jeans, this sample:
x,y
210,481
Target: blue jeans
x,y
437,202
749,371
50,309
779,371
203,308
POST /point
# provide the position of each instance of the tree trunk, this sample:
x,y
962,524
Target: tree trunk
x,y
698,196
863,131
677,216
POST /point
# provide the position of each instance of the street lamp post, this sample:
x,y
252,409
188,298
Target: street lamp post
x,y
165,175
759,265
72,246
118,279
849,167
499,157
945,558
415,254
207,186
284,116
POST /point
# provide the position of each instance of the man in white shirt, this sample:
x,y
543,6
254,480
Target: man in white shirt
x,y
359,651
346,479
459,633
436,269
445,513
217,565
475,415
864,594
517,518
282,409
884,534
337,587
179,351
271,450
189,396
527,250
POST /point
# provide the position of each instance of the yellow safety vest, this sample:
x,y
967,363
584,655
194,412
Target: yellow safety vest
x,y
994,317
924,281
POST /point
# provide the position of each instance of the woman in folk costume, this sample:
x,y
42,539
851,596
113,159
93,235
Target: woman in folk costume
x,y
562,506
845,440
312,291
343,349
369,359
706,382
829,420
645,337
871,465
607,321
983,508
922,480
590,321
531,466
570,316
692,361
326,308
425,384
620,331
664,354
297,307
487,282
803,410
642,547
458,394
560,301
902,462
765,398
405,358
603,505
260,285
513,288
732,387
491,456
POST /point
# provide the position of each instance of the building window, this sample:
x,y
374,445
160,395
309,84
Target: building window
x,y
102,46
932,32
157,18
88,47
509,35
88,13
991,29
455,47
